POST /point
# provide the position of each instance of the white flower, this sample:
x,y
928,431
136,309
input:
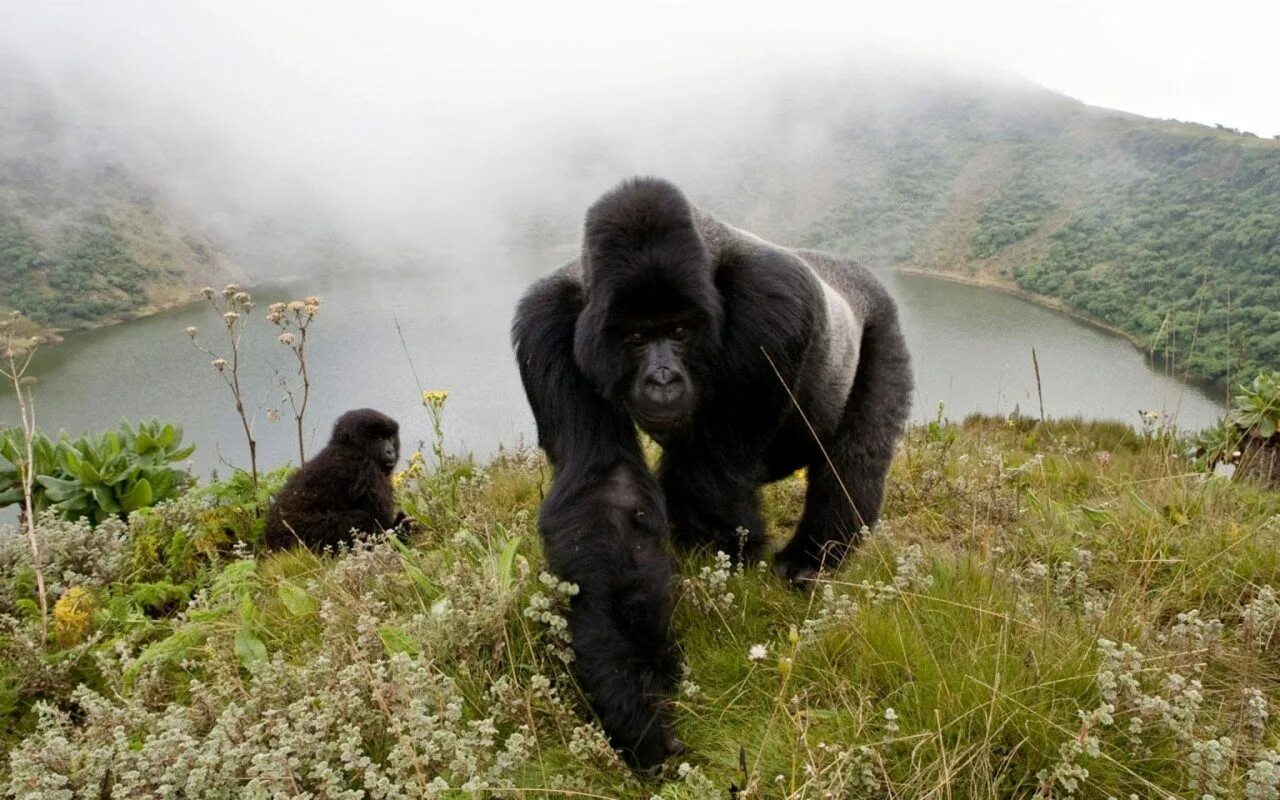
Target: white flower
x,y
757,652
891,720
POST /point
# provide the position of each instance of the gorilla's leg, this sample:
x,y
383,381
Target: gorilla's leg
x,y
840,502
712,504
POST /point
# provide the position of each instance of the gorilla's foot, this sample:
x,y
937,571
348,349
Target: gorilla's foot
x,y
800,573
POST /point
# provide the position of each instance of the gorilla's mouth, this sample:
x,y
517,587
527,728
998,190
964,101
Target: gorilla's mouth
x,y
663,418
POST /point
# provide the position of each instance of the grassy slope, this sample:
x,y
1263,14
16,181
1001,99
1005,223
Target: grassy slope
x,y
84,241
1009,550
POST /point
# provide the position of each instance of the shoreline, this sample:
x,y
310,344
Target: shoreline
x,y
1053,304
54,336
1044,301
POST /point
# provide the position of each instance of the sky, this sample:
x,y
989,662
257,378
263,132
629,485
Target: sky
x,y
1203,62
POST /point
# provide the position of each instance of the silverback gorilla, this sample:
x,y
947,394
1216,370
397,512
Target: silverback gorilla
x,y
745,361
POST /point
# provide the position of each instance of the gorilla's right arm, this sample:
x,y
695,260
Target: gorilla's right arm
x,y
603,527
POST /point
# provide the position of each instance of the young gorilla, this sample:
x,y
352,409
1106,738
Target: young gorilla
x,y
744,360
344,487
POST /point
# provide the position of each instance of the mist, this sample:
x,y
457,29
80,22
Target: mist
x,y
414,135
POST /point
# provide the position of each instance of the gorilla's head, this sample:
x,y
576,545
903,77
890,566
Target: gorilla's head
x,y
649,335
371,432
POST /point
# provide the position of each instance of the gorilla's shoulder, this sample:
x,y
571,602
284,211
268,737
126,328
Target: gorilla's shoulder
x,y
771,283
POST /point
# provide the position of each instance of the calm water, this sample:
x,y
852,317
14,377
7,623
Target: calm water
x,y
971,348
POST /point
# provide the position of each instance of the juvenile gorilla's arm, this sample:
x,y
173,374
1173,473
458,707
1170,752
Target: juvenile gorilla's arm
x,y
602,527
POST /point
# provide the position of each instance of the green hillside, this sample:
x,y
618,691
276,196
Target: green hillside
x,y
1168,231
83,239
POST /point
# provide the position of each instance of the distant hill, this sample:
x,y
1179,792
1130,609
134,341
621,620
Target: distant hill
x,y
1168,231
83,239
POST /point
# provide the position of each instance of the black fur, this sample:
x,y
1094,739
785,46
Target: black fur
x,y
745,360
603,527
344,487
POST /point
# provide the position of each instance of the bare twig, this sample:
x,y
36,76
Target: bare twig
x,y
235,314
15,354
830,464
294,318
1035,362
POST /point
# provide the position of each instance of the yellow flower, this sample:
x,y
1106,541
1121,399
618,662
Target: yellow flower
x,y
435,397
71,615
413,471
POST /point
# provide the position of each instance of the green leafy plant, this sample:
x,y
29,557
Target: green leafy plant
x,y
98,476
1255,409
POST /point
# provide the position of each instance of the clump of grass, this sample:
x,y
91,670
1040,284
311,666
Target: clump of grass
x,y
1054,610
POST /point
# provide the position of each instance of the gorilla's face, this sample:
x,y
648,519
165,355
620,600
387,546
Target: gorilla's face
x,y
371,432
662,392
386,450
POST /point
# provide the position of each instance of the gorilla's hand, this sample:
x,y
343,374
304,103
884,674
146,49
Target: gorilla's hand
x,y
799,572
405,524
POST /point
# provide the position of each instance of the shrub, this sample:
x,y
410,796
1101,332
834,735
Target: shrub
x,y
98,476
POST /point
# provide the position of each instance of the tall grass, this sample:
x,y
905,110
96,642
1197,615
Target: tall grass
x,y
1049,610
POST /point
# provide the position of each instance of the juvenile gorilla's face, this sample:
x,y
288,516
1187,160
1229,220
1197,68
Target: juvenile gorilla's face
x,y
372,433
662,392
386,450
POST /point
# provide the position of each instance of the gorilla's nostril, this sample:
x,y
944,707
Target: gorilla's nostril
x,y
664,376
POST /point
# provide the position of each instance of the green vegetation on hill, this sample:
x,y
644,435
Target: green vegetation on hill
x,y
83,240
1168,231
1050,610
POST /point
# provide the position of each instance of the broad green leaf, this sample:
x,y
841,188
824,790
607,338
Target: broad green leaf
x,y
89,473
1267,427
58,489
137,497
296,599
106,499
507,563
143,443
249,648
1097,515
1140,503
70,459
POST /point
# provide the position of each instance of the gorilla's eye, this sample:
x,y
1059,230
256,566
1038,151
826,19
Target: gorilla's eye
x,y
679,333
636,338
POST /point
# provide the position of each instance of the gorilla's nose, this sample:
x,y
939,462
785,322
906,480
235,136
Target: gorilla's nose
x,y
664,385
664,376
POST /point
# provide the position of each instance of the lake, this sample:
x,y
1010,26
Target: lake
x,y
971,349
